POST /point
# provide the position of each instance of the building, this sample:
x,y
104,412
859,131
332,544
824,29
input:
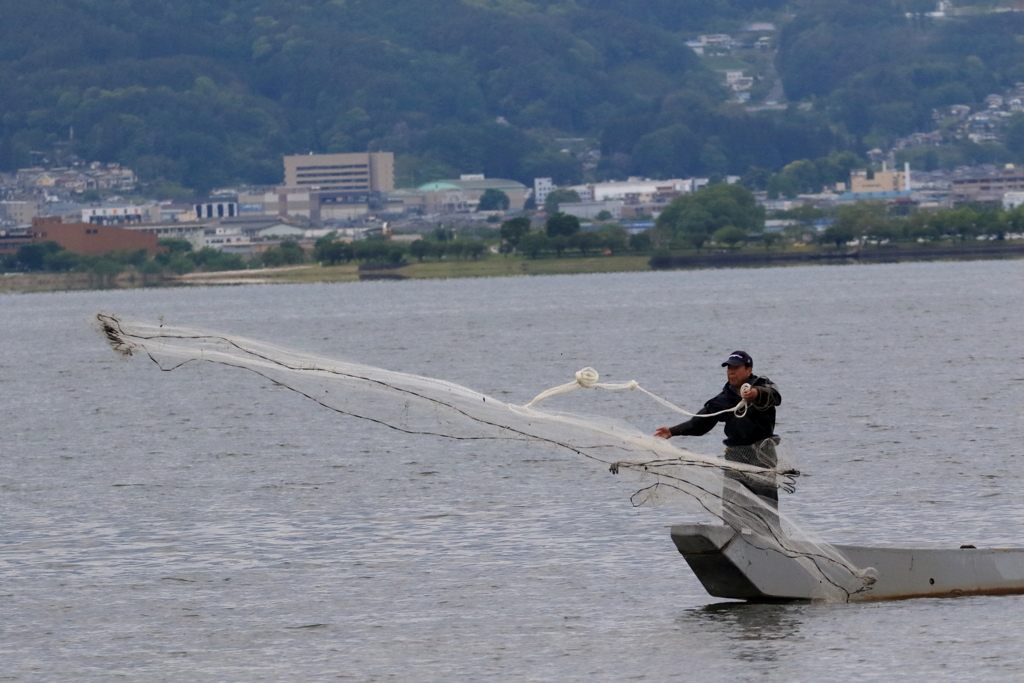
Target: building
x,y
193,232
312,204
591,210
117,215
89,239
542,187
890,197
281,231
324,187
719,41
217,209
1012,200
218,233
461,195
991,187
759,27
96,176
736,80
883,181
19,212
639,190
358,172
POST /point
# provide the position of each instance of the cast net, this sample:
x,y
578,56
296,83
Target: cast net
x,y
666,473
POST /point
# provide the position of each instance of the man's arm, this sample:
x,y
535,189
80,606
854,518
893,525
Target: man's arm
x,y
695,426
764,395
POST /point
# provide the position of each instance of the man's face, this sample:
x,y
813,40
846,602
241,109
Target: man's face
x,y
738,374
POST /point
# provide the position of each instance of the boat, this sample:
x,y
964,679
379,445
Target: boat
x,y
736,565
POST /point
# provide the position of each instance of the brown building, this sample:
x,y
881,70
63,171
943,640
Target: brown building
x,y
91,240
988,188
354,172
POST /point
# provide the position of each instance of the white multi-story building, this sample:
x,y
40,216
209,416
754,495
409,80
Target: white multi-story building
x,y
542,187
117,215
1011,200
638,189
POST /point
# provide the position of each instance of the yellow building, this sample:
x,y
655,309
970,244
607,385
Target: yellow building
x,y
884,181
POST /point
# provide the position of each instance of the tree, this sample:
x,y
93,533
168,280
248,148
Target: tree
x,y
287,253
293,253
886,230
534,243
557,197
438,249
62,261
586,242
322,243
839,233
695,217
756,178
802,175
962,222
562,224
640,241
420,249
106,270
370,250
33,256
493,200
921,227
614,237
854,221
456,248
175,245
770,239
559,243
514,229
781,185
730,235
1015,135
334,253
180,264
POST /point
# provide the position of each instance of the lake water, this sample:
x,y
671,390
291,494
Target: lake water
x,y
204,525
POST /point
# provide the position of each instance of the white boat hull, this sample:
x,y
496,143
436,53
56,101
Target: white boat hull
x,y
729,565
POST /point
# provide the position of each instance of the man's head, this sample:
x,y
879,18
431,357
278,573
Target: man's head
x,y
739,366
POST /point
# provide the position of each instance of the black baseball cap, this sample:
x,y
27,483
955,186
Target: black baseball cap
x,y
738,358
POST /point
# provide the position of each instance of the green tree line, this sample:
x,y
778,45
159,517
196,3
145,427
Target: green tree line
x,y
880,69
196,94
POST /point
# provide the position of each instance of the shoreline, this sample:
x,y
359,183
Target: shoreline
x,y
506,266
883,254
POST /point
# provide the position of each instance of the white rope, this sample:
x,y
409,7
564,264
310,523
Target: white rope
x,y
587,378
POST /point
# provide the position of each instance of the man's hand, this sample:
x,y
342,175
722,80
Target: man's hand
x,y
663,433
749,395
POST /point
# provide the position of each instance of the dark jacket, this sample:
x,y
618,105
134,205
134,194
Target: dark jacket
x,y
756,425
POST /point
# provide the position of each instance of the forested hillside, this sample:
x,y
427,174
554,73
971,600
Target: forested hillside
x,y
881,74
199,94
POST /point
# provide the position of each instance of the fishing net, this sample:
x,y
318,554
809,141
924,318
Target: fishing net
x,y
738,491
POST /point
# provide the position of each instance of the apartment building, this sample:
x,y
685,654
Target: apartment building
x,y
359,172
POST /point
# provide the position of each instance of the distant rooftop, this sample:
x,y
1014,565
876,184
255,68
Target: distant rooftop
x,y
474,183
855,196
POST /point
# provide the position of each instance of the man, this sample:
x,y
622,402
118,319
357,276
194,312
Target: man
x,y
749,438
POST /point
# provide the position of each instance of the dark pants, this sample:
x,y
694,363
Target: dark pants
x,y
739,510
